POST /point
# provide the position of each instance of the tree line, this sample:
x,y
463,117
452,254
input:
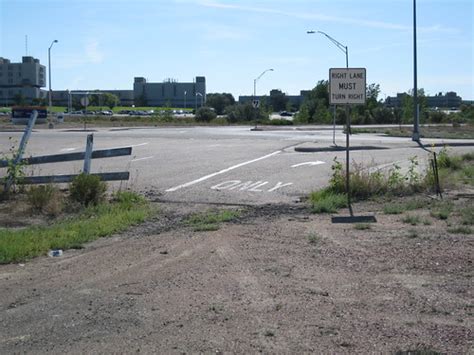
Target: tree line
x,y
315,108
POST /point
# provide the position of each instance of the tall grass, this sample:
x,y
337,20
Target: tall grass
x,y
94,222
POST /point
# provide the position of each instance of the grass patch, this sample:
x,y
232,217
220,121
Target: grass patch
x,y
463,132
326,201
400,207
460,230
467,215
442,210
411,219
362,226
412,233
314,238
94,222
211,220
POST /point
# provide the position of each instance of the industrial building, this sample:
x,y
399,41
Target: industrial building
x,y
448,100
22,80
169,93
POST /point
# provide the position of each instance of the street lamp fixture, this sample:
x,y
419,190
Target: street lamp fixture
x,y
49,73
336,43
255,82
199,94
255,93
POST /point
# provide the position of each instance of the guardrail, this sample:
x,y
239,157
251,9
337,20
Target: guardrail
x,y
87,156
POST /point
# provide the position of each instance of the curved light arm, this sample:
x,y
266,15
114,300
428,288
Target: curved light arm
x,y
338,44
55,41
263,73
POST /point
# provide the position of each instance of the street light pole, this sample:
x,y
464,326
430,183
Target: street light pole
x,y
344,49
49,73
255,92
346,52
198,93
416,125
185,100
255,82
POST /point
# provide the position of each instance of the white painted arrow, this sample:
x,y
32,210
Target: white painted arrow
x,y
309,163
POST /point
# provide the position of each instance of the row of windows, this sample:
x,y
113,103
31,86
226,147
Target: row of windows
x,y
175,91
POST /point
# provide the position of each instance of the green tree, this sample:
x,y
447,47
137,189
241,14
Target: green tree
x,y
243,113
110,100
19,99
315,107
219,101
372,94
205,114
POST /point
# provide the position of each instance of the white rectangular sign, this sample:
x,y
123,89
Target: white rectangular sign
x,y
347,86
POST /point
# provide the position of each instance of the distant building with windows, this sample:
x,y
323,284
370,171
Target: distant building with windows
x,y
169,92
447,100
293,100
23,79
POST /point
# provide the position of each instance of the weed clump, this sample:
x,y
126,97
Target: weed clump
x,y
45,198
87,189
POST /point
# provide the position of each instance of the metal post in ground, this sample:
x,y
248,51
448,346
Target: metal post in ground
x,y
88,154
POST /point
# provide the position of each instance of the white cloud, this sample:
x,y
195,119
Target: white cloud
x,y
93,52
326,18
90,54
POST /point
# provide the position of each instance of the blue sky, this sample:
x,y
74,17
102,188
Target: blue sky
x,y
104,44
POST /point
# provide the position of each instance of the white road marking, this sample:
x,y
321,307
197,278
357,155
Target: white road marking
x,y
145,158
309,163
67,149
222,172
279,185
248,185
138,145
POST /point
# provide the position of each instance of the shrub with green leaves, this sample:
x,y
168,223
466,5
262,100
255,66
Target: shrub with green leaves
x,y
87,189
45,198
447,161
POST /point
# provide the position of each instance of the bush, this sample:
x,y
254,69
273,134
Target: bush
x,y
446,161
45,198
87,189
279,122
205,114
221,121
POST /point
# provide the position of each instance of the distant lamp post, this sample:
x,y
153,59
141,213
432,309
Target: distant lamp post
x,y
49,73
255,93
198,94
346,52
255,82
416,123
185,92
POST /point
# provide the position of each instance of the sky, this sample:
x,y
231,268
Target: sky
x,y
104,44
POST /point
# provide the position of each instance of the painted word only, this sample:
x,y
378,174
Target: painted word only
x,y
256,186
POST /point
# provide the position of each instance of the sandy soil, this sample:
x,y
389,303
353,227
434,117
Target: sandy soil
x,y
278,280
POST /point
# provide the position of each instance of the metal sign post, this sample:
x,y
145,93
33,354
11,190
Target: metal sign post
x,y
347,86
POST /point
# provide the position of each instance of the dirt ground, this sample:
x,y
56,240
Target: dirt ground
x,y
277,280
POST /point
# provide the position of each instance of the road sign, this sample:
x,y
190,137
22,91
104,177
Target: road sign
x,y
256,103
347,86
84,101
